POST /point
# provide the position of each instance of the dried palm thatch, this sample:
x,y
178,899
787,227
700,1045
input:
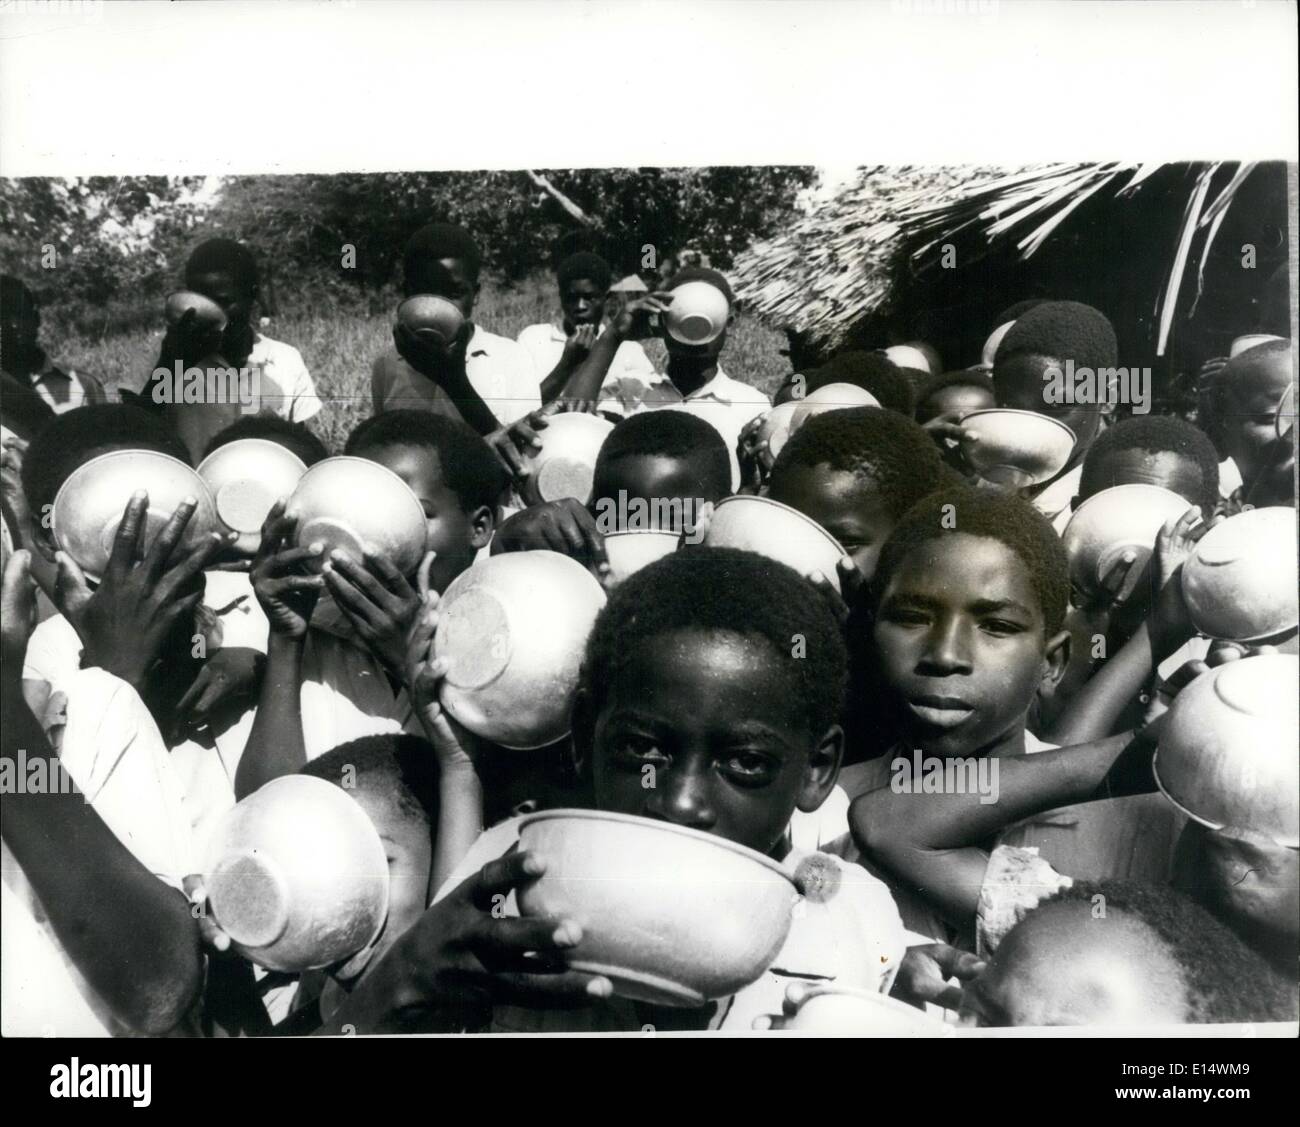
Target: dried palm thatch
x,y
845,260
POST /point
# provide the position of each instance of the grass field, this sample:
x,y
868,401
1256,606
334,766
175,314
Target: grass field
x,y
339,344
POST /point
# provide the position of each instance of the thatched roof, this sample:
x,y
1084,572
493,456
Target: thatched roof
x,y
844,261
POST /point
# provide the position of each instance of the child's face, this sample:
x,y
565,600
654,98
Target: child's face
x,y
956,399
409,848
1248,420
221,287
1021,386
1064,965
648,477
961,644
1179,473
459,287
582,302
705,730
455,535
849,506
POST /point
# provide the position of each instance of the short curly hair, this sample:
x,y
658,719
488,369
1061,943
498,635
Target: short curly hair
x,y
1062,330
873,371
405,766
723,589
1225,980
964,377
872,443
469,467
668,434
1153,434
294,437
999,516
584,265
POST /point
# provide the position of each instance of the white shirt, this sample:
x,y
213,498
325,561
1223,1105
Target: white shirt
x,y
499,369
1054,501
545,344
65,390
113,752
286,387
725,403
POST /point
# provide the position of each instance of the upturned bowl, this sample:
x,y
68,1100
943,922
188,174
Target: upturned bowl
x,y
247,477
1240,582
297,876
832,397
774,530
1124,518
1016,448
630,550
842,1011
670,915
207,313
775,429
697,314
990,350
1249,341
430,318
566,464
89,506
906,356
346,503
1227,754
513,629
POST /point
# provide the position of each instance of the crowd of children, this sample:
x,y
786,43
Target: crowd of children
x,y
768,708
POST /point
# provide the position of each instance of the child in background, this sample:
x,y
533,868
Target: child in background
x,y
23,358
558,348
688,669
294,437
872,371
672,462
951,395
481,378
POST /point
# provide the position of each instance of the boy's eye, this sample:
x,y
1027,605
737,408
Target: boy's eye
x,y
639,747
751,766
1001,628
906,616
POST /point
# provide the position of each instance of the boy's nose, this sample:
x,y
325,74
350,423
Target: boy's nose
x,y
948,650
681,796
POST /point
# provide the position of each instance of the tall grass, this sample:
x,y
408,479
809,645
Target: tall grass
x,y
339,341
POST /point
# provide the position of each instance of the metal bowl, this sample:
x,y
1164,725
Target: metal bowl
x,y
1240,582
670,915
347,502
247,477
1124,518
698,313
775,430
1016,448
774,530
832,397
513,629
990,350
431,318
1246,343
842,1011
566,464
906,356
297,876
89,506
1227,754
630,550
207,313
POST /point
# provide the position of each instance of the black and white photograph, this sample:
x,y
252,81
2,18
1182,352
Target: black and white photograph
x,y
640,570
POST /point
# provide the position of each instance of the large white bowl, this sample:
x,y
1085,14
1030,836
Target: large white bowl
x,y
1240,582
774,530
89,506
513,629
775,429
207,313
906,356
990,349
832,397
431,318
1227,754
697,314
297,876
670,915
566,464
1124,518
247,477
1016,448
346,503
841,1011
630,550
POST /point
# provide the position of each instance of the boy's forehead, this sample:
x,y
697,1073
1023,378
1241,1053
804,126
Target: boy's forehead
x,y
965,566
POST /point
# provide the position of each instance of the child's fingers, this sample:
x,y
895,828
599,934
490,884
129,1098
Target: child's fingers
x,y
194,692
422,575
360,578
18,598
159,554
284,562
71,590
503,874
127,538
349,598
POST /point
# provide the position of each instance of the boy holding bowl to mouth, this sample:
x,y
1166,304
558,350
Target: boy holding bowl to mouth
x,y
690,678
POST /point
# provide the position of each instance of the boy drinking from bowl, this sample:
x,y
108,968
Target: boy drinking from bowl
x,y
692,710
481,378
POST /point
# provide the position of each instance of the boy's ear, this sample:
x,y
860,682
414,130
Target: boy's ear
x,y
482,523
822,771
1056,658
583,735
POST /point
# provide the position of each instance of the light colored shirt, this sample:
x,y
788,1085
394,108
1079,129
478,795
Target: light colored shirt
x,y
1054,501
65,390
499,369
853,937
545,344
725,403
114,754
286,387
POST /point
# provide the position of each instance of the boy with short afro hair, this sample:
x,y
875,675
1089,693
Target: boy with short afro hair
x,y
294,437
484,379
1160,450
871,371
558,347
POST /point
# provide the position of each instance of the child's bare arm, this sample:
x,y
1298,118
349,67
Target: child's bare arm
x,y
631,324
130,935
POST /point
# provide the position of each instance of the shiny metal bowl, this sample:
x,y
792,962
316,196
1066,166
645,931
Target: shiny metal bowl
x,y
247,477
774,530
430,318
698,313
1124,518
630,550
207,313
566,464
1016,448
832,397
